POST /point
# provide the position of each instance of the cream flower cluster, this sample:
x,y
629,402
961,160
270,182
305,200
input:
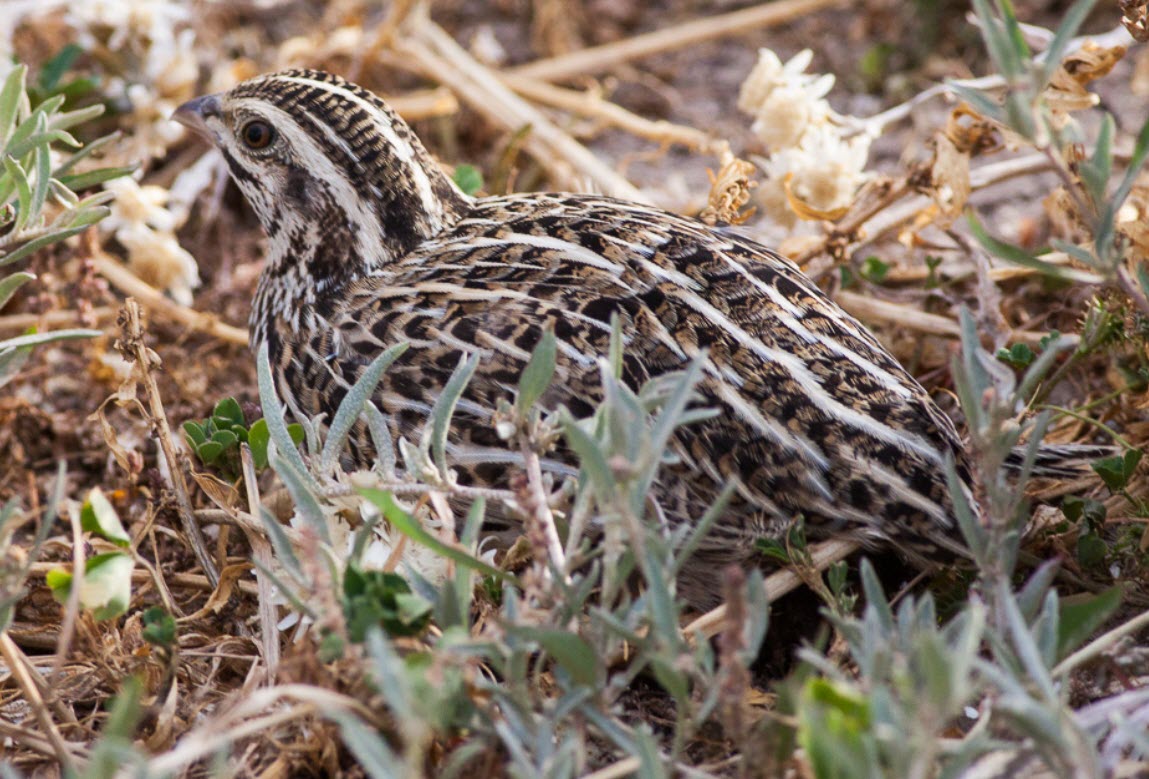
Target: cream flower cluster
x,y
153,56
156,59
143,222
813,170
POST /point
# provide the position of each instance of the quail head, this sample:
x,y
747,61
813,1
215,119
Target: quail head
x,y
371,244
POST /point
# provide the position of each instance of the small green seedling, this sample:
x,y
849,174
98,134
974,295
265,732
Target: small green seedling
x,y
216,439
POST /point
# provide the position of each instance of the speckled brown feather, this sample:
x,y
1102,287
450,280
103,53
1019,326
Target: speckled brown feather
x,y
817,419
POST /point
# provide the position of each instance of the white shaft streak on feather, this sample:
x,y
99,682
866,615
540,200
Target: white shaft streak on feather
x,y
570,251
677,278
769,428
810,384
402,149
789,315
902,491
449,339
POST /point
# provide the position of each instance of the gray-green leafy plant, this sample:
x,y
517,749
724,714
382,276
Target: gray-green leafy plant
x,y
38,201
1095,192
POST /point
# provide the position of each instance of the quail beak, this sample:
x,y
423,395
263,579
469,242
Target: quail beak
x,y
194,115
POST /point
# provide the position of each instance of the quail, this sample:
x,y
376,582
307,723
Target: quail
x,y
370,243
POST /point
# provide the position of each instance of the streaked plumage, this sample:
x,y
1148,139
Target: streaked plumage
x,y
371,244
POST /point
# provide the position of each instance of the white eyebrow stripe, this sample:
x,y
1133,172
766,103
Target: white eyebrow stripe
x,y
403,150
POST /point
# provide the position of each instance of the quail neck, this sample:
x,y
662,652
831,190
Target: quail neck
x,y
371,245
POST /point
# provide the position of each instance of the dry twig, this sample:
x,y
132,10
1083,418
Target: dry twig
x,y
146,362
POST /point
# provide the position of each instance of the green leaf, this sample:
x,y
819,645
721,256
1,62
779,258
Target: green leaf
x,y
229,411
1079,618
1017,356
444,408
42,165
37,339
370,748
539,372
54,69
385,599
834,728
468,178
159,627
11,96
80,181
979,101
1091,551
194,434
1105,231
33,122
99,516
410,527
225,438
107,586
107,589
90,149
590,454
1117,470
257,438
874,270
354,404
42,137
1070,23
209,452
836,577
276,426
1092,511
53,237
9,285
23,193
1096,170
571,652
773,549
66,119
1019,256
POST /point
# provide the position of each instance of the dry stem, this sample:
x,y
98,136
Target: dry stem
x,y
261,553
146,360
447,62
18,666
822,556
127,282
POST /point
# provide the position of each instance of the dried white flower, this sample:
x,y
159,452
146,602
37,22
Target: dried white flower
x,y
823,173
155,59
784,116
142,222
808,154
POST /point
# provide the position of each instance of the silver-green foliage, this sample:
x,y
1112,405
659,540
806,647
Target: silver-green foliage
x,y
1089,182
38,201
613,592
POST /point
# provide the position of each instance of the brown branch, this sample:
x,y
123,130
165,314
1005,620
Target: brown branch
x,y
593,106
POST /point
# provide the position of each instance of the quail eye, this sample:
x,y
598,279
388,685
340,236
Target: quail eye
x,y
257,134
